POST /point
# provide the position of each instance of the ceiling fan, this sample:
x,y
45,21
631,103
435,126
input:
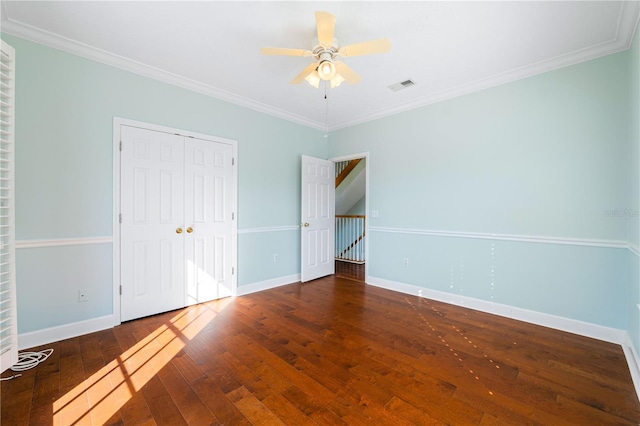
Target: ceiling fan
x,y
325,66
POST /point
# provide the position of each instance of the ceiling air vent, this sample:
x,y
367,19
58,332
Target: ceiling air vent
x,y
402,85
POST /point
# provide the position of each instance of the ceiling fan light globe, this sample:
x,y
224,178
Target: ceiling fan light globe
x,y
326,70
313,79
337,80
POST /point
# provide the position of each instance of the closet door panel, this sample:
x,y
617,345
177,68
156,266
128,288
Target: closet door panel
x,y
208,210
152,242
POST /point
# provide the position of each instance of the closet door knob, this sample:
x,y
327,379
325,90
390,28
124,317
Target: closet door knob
x,y
179,231
189,230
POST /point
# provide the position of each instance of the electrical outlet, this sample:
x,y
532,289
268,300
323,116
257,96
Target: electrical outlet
x,y
405,262
82,296
275,257
374,213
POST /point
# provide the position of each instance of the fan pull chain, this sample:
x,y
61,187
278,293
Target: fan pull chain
x,y
326,111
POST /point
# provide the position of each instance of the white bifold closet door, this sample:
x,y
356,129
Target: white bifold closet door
x,y
176,231
208,210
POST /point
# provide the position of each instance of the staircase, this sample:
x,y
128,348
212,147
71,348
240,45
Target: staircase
x,y
344,168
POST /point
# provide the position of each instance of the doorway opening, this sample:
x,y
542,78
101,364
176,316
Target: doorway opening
x,y
351,206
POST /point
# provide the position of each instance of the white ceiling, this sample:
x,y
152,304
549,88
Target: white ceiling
x,y
448,48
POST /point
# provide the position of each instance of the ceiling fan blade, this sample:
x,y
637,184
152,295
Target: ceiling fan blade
x,y
366,48
305,72
347,73
284,51
325,23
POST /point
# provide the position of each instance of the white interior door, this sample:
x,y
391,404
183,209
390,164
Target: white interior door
x,y
208,211
152,243
318,217
177,233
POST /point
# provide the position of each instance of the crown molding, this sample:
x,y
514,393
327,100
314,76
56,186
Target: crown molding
x,y
28,32
628,20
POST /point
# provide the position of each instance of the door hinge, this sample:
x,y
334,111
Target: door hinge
x,y
233,270
120,146
120,290
120,217
233,161
233,216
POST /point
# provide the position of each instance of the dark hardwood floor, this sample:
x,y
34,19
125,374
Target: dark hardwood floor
x,y
332,352
353,271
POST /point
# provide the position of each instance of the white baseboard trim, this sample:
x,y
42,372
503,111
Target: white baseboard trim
x,y
608,334
633,361
266,285
66,331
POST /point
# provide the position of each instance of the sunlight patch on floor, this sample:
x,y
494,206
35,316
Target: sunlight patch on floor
x,y
99,397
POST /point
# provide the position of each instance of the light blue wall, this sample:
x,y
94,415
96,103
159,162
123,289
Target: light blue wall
x,y
582,283
634,139
65,106
544,156
634,192
257,260
49,279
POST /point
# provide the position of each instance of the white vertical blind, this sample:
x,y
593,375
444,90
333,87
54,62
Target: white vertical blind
x,y
8,326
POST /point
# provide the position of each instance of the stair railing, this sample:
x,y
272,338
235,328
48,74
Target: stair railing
x,y
343,169
349,238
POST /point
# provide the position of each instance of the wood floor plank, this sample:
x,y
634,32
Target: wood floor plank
x,y
330,352
424,396
326,417
136,411
187,367
303,400
622,405
304,382
409,412
161,405
262,380
253,409
349,413
587,413
287,412
186,400
218,403
16,403
368,398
